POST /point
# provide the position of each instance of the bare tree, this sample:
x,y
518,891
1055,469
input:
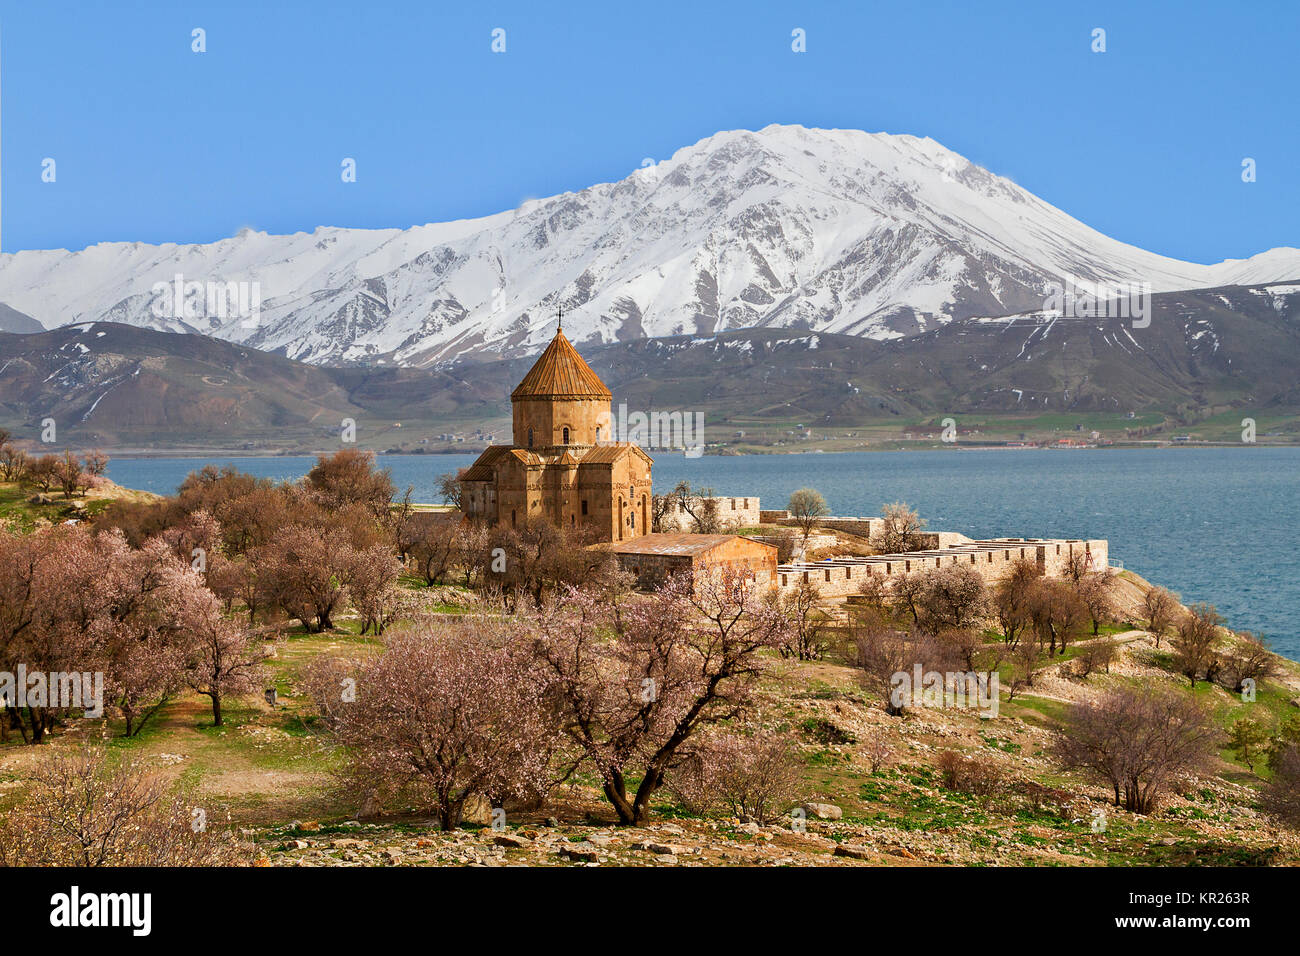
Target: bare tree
x,y
952,596
1196,641
452,490
434,546
1096,655
876,749
809,624
1096,590
807,507
13,462
68,474
901,530
349,477
700,504
1159,608
1013,598
1247,659
905,595
1138,741
1026,659
1058,614
885,653
43,471
94,462
970,773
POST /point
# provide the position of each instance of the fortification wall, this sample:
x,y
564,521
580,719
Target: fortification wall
x,y
842,577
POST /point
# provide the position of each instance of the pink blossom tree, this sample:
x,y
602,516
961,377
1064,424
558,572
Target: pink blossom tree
x,y
636,678
445,712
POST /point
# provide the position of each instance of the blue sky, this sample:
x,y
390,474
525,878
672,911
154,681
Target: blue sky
x,y
156,143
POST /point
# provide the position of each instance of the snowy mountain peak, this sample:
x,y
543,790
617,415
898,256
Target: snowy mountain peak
x,y
870,234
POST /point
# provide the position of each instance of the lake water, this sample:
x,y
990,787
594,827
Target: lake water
x,y
1214,524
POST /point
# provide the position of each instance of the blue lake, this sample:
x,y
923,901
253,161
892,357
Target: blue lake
x,y
1214,524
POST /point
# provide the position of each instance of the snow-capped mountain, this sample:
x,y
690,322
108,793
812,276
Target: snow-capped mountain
x,y
844,231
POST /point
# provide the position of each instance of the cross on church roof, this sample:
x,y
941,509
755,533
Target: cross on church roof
x,y
559,319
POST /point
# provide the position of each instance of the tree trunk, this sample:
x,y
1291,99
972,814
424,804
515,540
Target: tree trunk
x,y
216,709
616,793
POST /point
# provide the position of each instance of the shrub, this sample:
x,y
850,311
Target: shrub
x,y
1282,795
755,777
968,773
82,812
876,750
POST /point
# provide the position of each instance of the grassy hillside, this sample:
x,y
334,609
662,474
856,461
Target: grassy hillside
x,y
270,771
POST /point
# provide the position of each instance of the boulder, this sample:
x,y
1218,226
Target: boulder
x,y
511,841
823,811
478,810
853,852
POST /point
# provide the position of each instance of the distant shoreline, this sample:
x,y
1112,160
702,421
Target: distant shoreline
x,y
197,454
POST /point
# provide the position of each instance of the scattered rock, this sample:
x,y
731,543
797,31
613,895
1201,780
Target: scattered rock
x,y
853,852
660,849
511,841
581,852
823,811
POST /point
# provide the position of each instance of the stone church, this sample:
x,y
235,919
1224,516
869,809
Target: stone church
x,y
563,466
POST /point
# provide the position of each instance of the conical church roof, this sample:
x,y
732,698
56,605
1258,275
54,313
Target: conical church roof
x,y
561,372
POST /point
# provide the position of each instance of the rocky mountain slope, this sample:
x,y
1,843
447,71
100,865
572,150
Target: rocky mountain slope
x,y
839,231
1202,353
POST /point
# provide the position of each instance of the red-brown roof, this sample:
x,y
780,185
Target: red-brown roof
x,y
483,466
679,544
560,372
608,454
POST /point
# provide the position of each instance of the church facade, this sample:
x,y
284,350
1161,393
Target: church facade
x,y
563,466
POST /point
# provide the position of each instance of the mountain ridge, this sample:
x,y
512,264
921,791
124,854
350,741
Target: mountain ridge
x,y
1220,352
868,234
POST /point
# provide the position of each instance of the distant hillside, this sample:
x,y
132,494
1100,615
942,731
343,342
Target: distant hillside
x,y
116,385
1220,352
11,320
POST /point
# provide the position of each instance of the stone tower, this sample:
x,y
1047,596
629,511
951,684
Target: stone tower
x,y
562,466
561,403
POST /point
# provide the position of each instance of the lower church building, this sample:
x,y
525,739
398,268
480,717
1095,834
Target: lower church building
x,y
563,466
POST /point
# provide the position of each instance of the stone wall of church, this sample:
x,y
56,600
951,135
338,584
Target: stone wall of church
x,y
586,419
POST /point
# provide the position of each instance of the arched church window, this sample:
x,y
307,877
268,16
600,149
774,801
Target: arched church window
x,y
530,438
566,435
597,433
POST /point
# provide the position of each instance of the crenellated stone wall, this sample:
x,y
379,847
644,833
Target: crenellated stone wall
x,y
839,578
